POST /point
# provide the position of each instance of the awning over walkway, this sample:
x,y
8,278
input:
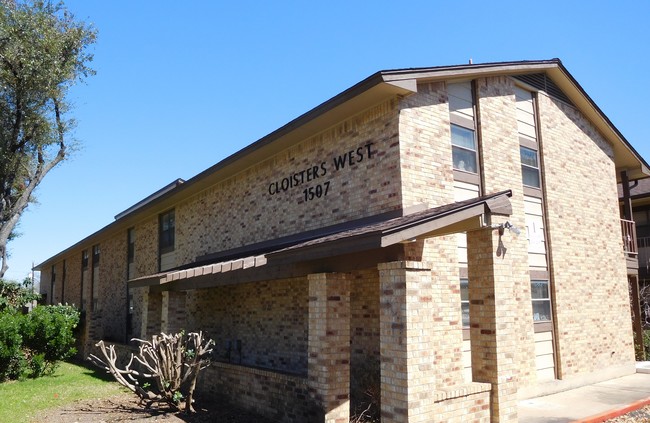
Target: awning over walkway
x,y
451,218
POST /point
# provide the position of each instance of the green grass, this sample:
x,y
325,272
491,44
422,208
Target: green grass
x,y
20,401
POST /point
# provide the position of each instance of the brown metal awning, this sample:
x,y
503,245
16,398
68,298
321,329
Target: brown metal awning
x,y
451,218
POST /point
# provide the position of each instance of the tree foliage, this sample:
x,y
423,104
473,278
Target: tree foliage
x,y
43,52
14,296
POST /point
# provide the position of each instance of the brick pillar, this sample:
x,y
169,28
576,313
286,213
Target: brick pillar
x,y
407,347
151,313
329,345
172,317
493,309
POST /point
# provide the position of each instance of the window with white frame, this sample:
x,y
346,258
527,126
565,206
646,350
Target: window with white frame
x,y
541,300
464,301
463,148
529,167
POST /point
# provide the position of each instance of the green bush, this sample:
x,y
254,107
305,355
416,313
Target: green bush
x,y
38,366
12,361
48,336
31,345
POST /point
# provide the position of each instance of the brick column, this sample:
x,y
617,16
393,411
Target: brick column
x,y
493,309
329,345
151,313
407,347
173,314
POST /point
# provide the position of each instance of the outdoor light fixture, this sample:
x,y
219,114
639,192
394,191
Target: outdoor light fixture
x,y
512,228
503,226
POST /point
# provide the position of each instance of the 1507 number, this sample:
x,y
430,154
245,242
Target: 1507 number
x,y
316,191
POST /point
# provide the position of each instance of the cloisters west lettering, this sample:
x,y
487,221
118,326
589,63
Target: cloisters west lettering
x,y
317,172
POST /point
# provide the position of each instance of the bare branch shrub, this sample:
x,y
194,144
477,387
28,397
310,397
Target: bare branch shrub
x,y
165,369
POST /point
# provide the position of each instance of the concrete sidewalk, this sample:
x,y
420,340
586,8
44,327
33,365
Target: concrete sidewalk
x,y
596,402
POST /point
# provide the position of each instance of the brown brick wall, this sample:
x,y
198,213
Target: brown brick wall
x,y
45,283
73,279
591,293
269,318
284,398
146,247
112,288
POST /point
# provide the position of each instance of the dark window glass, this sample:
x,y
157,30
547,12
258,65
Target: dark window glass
x,y
463,149
167,229
96,255
84,259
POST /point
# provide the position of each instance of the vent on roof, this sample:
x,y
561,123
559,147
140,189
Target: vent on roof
x,y
543,83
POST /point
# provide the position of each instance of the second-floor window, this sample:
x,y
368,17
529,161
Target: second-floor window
x,y
529,167
96,255
167,232
463,147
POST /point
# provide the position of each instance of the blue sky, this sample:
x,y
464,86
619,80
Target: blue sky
x,y
182,85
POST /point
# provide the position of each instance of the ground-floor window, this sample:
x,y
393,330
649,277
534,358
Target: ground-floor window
x,y
541,300
464,301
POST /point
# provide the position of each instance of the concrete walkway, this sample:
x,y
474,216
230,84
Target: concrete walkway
x,y
592,403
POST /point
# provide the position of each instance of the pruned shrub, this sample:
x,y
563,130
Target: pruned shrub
x,y
165,369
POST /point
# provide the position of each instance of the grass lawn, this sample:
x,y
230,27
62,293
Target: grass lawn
x,y
20,401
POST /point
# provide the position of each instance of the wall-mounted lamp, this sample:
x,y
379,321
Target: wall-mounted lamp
x,y
512,228
503,226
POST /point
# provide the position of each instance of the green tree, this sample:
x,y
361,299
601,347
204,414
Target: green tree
x,y
14,296
43,52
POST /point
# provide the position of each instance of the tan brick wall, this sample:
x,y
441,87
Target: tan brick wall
x,y
591,292
329,345
427,178
425,147
364,338
240,210
502,171
408,346
473,408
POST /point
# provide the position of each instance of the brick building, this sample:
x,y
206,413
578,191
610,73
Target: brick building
x,y
450,235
